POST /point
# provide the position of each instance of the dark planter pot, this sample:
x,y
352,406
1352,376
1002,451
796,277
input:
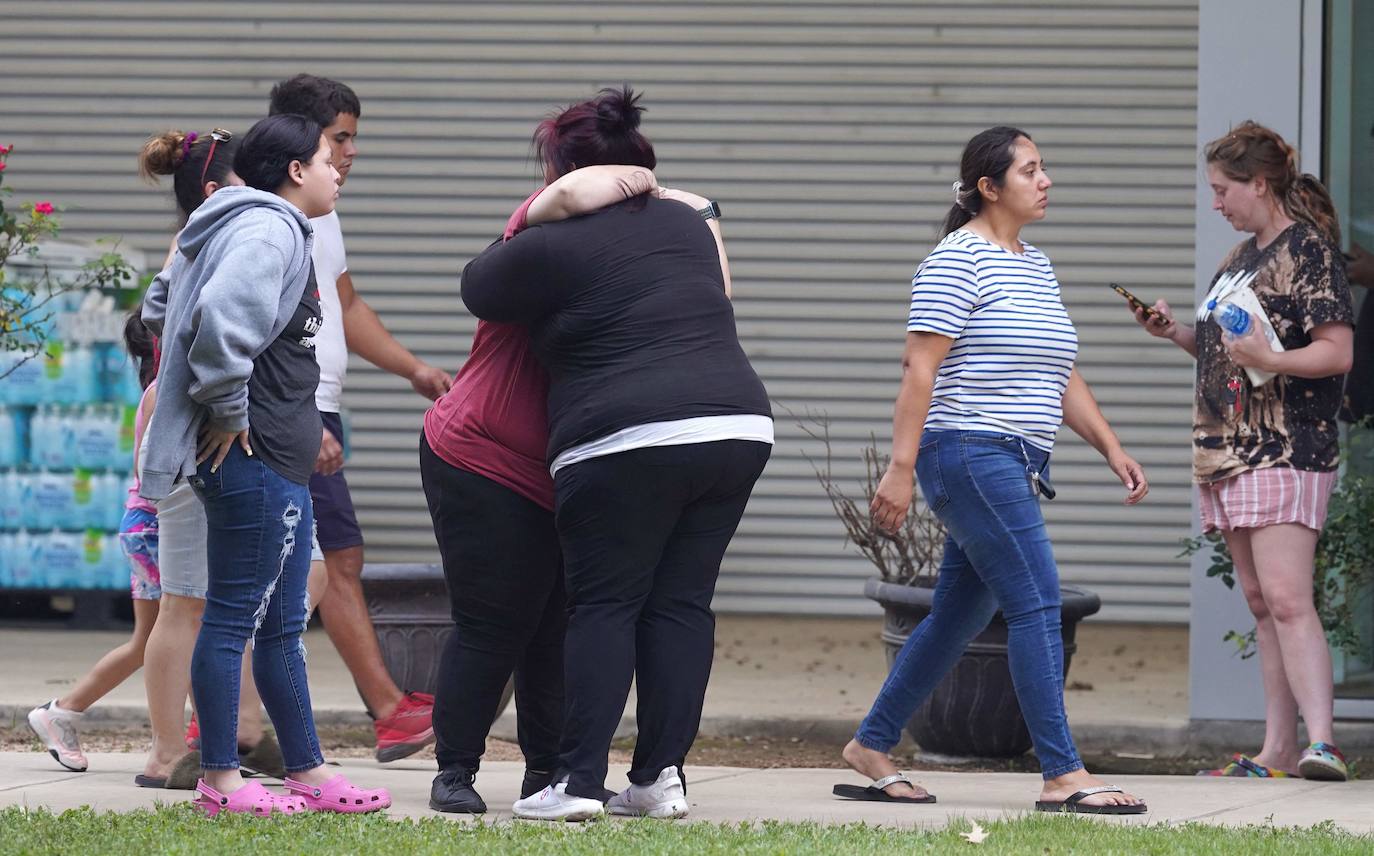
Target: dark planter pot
x,y
973,711
409,608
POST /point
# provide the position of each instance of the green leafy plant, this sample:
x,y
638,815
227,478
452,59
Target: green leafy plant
x,y
1343,574
26,301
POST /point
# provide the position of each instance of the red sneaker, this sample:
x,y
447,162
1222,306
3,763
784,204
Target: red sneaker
x,y
408,729
193,734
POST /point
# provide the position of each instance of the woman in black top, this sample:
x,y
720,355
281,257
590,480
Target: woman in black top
x,y
659,428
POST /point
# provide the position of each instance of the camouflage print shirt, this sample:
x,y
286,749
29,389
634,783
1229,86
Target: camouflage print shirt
x,y
1289,421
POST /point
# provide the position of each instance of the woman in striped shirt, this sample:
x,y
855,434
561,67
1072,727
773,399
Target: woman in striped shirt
x,y
988,376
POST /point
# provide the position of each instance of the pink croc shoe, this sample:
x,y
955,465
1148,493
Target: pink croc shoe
x,y
339,794
252,798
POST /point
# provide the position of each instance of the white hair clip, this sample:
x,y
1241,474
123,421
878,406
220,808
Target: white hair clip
x,y
958,190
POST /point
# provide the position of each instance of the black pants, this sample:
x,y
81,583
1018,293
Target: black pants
x,y
643,533
505,581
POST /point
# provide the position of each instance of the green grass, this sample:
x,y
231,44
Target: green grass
x,y
179,830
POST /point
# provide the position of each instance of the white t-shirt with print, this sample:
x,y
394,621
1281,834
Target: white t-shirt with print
x,y
331,349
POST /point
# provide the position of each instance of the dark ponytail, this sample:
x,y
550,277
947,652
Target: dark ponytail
x,y
988,155
184,156
139,342
604,130
1251,150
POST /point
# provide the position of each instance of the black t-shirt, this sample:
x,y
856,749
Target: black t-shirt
x,y
627,311
1290,421
284,426
1359,384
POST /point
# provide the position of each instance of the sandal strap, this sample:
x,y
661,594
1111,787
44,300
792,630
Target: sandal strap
x,y
1253,767
1087,792
210,793
879,784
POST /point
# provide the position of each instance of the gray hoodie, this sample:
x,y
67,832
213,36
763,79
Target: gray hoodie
x,y
241,266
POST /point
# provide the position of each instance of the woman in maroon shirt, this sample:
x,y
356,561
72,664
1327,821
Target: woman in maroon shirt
x,y
487,484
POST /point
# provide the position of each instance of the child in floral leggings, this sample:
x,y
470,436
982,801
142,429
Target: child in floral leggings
x,y
55,722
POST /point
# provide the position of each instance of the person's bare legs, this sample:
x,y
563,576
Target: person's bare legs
x,y
316,585
1283,555
167,678
115,667
344,612
1280,750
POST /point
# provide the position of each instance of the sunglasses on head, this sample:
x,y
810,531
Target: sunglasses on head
x,y
217,136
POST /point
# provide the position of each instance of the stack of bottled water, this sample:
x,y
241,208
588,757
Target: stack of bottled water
x,y
66,452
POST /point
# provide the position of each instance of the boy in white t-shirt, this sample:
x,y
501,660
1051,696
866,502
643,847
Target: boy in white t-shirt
x,y
403,719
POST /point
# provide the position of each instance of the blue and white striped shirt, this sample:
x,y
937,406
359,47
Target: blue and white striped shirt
x,y
1014,345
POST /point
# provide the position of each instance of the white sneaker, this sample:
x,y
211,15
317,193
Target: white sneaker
x,y
57,729
554,803
665,798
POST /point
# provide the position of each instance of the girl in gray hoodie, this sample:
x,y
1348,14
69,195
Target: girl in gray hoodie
x,y
236,418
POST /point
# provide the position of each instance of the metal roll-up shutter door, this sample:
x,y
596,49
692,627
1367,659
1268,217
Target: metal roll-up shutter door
x,y
830,132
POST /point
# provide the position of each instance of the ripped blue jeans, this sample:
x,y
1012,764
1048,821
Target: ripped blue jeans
x,y
258,543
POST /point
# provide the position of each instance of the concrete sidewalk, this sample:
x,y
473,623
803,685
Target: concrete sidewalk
x,y
732,795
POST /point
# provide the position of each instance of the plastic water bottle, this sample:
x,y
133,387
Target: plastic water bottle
x,y
79,375
1230,317
6,551
24,382
28,509
122,419
62,560
22,561
9,438
112,505
28,561
11,511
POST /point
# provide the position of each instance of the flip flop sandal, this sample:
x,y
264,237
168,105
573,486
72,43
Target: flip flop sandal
x,y
143,781
1245,767
875,792
1323,762
252,799
340,795
185,773
1075,805
264,759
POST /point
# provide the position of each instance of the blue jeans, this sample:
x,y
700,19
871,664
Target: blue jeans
x,y
258,543
997,555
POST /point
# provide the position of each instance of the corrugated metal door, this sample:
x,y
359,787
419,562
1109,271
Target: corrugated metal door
x,y
830,132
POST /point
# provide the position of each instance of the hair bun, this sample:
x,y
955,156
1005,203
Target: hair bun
x,y
162,154
618,109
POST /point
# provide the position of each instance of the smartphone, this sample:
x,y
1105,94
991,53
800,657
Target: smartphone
x,y
1137,303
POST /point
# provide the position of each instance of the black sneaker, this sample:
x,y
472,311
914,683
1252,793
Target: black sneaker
x,y
535,781
452,791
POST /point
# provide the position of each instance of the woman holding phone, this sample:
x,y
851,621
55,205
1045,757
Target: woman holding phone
x,y
1265,455
988,376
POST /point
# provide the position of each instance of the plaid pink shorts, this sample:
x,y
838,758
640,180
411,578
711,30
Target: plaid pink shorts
x,y
1265,497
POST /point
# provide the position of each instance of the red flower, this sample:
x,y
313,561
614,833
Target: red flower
x,y
42,207
2,166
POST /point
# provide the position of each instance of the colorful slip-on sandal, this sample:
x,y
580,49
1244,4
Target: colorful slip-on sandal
x,y
1075,805
339,794
1245,767
875,792
252,799
1324,762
